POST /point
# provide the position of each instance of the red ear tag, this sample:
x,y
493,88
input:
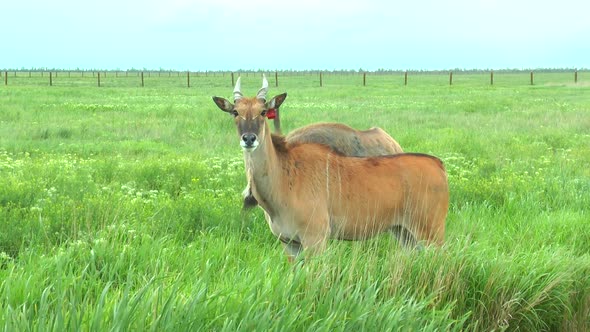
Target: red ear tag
x,y
271,113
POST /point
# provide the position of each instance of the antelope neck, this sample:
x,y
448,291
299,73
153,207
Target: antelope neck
x,y
264,171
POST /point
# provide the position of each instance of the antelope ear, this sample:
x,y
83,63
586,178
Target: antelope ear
x,y
276,101
223,104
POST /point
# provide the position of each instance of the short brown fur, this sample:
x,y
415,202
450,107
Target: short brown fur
x,y
346,140
340,138
310,193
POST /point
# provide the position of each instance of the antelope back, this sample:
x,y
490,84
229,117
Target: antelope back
x,y
346,140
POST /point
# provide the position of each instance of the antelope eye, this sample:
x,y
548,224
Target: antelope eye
x,y
263,113
234,113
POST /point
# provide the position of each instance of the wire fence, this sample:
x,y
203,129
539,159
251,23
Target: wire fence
x,y
137,78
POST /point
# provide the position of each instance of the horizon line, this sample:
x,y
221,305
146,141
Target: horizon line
x,y
360,70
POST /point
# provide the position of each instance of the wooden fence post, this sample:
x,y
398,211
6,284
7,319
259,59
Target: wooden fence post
x,y
188,78
492,77
50,79
406,78
232,78
576,76
142,79
321,79
98,79
451,78
532,78
6,78
277,78
364,79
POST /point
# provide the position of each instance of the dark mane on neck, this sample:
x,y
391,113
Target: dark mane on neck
x,y
279,142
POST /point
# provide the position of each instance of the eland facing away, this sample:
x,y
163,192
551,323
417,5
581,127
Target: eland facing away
x,y
311,193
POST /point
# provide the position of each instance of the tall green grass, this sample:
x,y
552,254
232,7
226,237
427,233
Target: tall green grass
x,y
120,210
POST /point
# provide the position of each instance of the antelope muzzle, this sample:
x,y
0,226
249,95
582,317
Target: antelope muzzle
x,y
249,141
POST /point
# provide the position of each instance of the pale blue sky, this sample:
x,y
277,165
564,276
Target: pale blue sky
x,y
295,34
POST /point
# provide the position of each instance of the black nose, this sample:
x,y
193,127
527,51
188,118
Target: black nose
x,y
249,139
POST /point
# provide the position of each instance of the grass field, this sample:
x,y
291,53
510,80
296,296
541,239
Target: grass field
x,y
120,209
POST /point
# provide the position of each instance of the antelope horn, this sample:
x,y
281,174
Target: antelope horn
x,y
237,93
262,92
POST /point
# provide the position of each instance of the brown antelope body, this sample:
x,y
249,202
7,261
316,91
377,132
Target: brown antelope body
x,y
339,137
311,193
346,140
342,139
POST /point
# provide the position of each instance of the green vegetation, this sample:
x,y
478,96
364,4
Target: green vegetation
x,y
120,209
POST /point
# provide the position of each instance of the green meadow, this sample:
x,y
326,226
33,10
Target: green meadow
x,y
120,207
